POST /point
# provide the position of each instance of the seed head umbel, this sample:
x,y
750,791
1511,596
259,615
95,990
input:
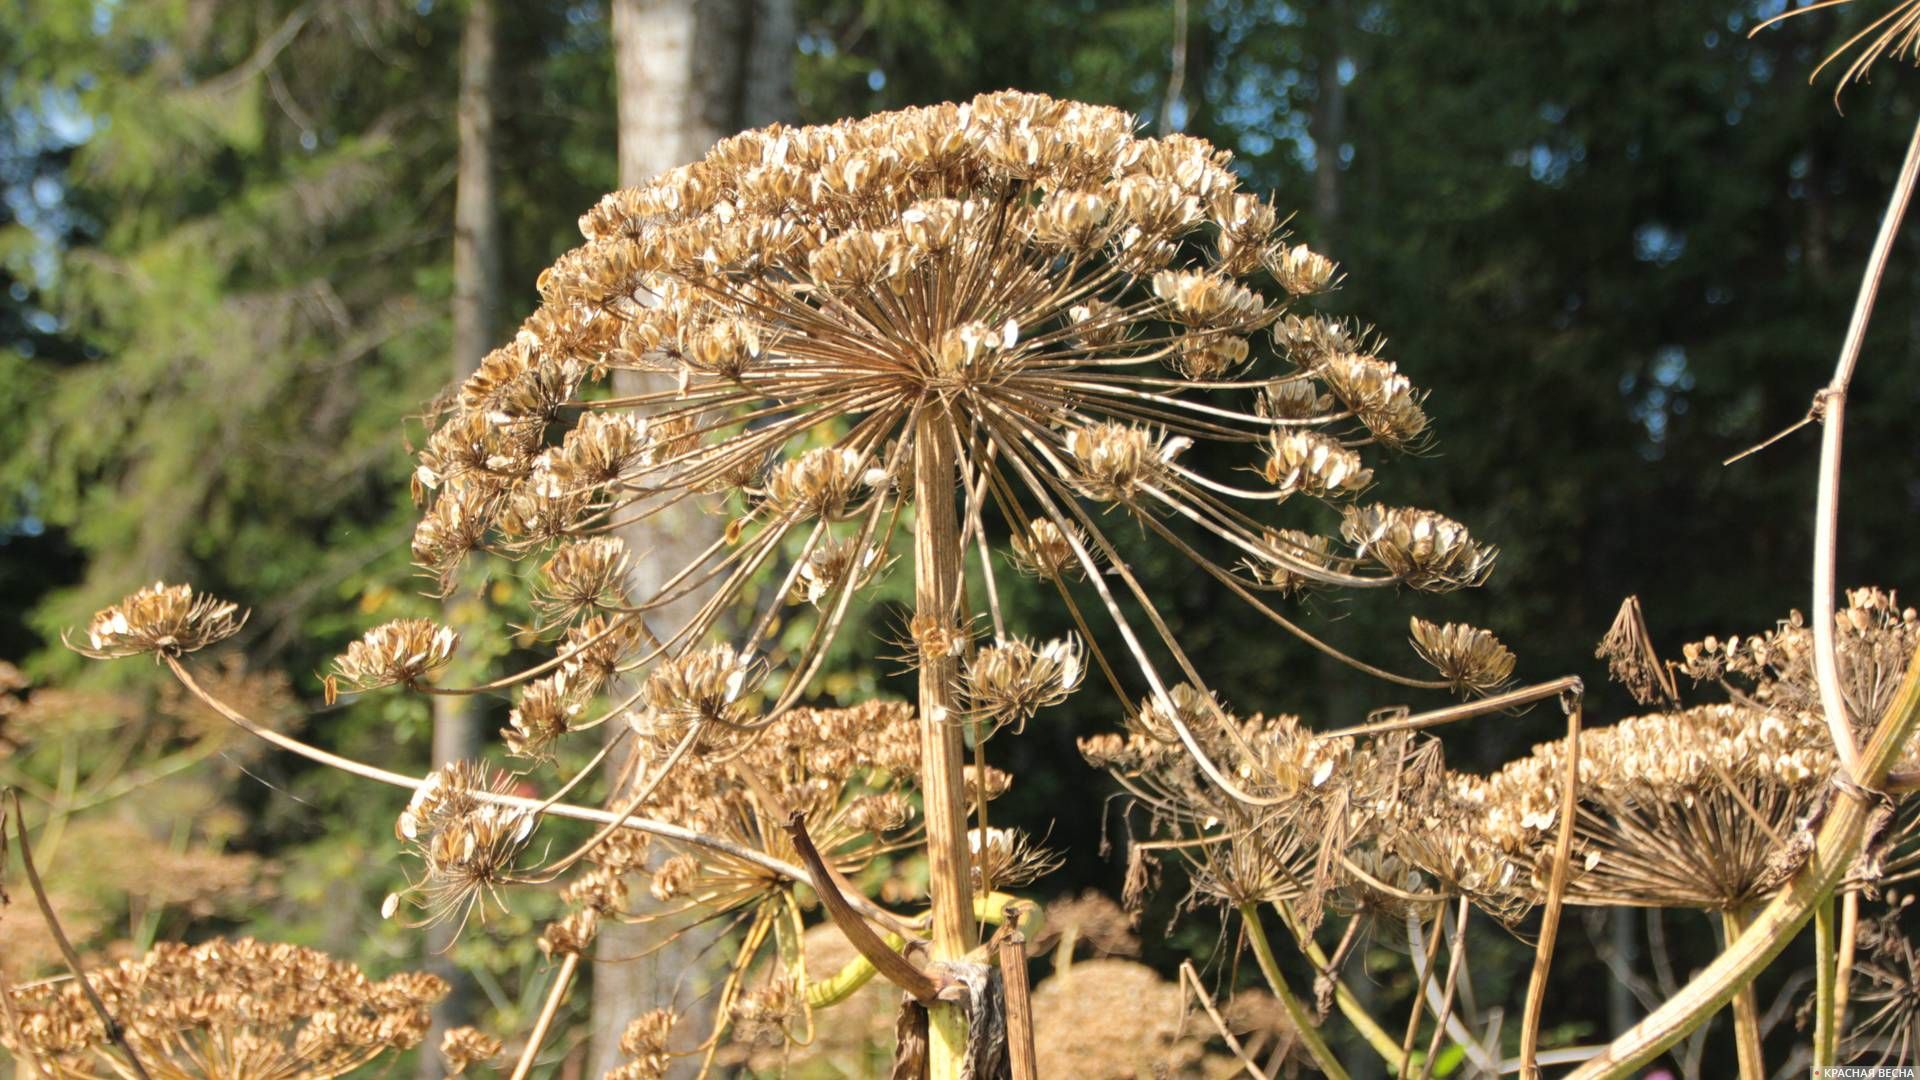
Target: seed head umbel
x,y
224,1009
161,619
396,653
1471,659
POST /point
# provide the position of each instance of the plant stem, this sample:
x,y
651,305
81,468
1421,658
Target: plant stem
x,y
539,1034
1303,1024
1843,965
858,934
662,829
936,595
115,1032
1456,957
1746,1010
1832,408
1823,1015
1556,894
1021,1057
1841,838
1422,974
1343,997
1190,979
1526,695
1844,832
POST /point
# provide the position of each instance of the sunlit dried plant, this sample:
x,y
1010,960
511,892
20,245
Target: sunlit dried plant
x,y
998,326
224,1010
1016,305
1471,659
468,845
1874,641
463,1047
1112,1019
645,1044
847,771
1631,659
1684,809
1895,33
393,654
161,618
1887,988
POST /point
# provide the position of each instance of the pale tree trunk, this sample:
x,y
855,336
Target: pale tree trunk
x,y
687,73
476,307
1329,124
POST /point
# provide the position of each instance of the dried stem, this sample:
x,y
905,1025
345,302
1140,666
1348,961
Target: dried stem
x,y
114,1031
1303,1024
1844,832
1456,959
1423,973
936,578
1190,979
665,830
842,984
1343,996
1823,972
1526,695
1833,407
561,982
861,936
1019,1001
1843,964
1556,895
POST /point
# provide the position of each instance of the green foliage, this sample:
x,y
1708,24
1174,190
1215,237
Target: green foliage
x,y
211,357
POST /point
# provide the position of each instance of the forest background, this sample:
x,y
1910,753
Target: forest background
x,y
1620,241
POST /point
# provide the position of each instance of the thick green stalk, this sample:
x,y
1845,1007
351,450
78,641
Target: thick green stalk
x,y
1303,1023
1823,960
854,974
1343,997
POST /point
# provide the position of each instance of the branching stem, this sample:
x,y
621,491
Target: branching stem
x,y
1832,405
561,981
1556,895
1303,1024
114,1031
664,830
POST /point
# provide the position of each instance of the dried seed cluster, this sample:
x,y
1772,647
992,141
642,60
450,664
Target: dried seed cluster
x,y
403,651
1874,640
1471,659
468,843
224,1009
1078,318
161,618
848,771
1056,299
1681,809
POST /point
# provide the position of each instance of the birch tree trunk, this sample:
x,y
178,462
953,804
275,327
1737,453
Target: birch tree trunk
x,y
1329,123
687,73
476,308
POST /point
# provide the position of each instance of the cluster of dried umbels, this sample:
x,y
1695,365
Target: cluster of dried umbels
x,y
239,1010
995,327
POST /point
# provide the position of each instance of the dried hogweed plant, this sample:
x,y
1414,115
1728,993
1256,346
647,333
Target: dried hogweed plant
x,y
223,1010
983,333
975,337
